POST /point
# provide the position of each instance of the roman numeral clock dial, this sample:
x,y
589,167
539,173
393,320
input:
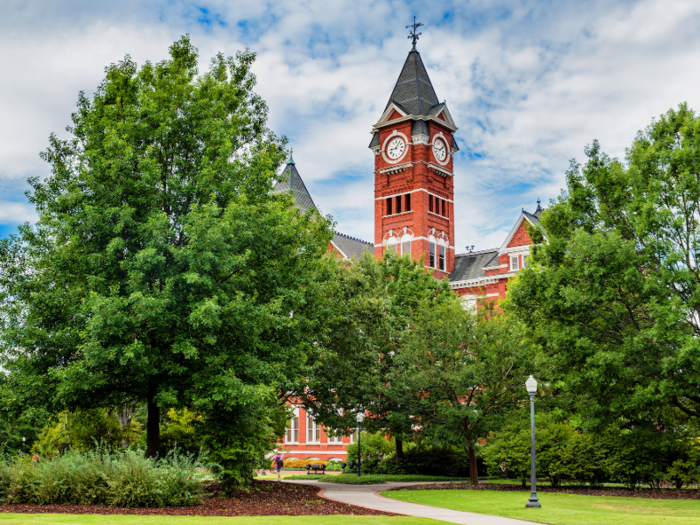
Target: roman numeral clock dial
x,y
395,148
439,150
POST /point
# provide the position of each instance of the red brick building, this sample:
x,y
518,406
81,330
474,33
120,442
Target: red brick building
x,y
414,146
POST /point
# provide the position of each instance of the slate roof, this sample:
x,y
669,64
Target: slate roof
x,y
471,265
375,140
352,248
413,91
534,218
290,180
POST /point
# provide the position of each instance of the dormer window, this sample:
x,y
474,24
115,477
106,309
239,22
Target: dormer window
x,y
513,263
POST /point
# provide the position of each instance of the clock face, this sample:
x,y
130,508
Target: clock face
x,y
439,150
395,148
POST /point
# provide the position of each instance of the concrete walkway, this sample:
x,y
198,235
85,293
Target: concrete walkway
x,y
368,496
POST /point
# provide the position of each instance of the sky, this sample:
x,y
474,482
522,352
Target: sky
x,y
529,83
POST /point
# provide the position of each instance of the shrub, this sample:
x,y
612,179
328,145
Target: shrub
x,y
103,476
301,463
425,460
375,447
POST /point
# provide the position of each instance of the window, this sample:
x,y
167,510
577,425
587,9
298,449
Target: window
x,y
513,262
292,433
524,261
442,258
408,202
406,248
391,245
334,440
388,206
444,206
353,437
432,255
430,203
313,430
398,204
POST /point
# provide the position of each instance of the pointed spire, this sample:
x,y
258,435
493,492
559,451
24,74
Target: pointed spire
x,y
291,159
539,209
413,92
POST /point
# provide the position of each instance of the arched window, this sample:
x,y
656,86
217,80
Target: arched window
x,y
406,245
391,245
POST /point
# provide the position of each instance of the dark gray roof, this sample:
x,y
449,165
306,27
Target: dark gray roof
x,y
455,147
375,140
413,91
420,127
351,247
290,180
471,265
533,218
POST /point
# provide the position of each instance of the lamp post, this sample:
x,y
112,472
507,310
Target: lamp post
x,y
23,440
360,417
533,502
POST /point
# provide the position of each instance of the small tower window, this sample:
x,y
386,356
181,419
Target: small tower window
x,y
388,206
432,255
398,204
406,248
444,211
442,258
408,202
430,203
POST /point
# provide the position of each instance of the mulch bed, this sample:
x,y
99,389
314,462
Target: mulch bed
x,y
582,491
266,498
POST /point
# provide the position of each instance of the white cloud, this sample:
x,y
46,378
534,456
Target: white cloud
x,y
528,83
16,212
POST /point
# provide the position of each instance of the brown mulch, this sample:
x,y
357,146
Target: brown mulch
x,y
580,490
266,498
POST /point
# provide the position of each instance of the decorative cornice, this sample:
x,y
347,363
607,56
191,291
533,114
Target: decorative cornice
x,y
434,118
396,169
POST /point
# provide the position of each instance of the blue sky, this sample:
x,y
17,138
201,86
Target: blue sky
x,y
529,84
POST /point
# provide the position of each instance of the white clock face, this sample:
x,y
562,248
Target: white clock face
x,y
439,150
395,148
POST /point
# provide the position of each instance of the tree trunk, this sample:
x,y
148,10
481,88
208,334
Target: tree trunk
x,y
124,416
399,449
473,474
153,430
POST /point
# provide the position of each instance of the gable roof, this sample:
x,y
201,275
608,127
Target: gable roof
x,y
413,90
471,265
349,247
290,180
524,216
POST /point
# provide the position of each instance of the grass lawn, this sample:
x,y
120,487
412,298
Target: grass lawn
x,y
560,509
94,519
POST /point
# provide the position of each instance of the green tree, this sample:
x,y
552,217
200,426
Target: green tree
x,y
162,269
369,304
612,295
462,372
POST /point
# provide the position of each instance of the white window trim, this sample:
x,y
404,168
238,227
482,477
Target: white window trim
x,y
514,267
296,415
312,428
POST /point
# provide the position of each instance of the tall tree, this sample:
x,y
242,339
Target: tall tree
x,y
161,268
464,372
613,293
369,305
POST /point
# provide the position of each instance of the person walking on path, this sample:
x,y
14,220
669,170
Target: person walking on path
x,y
278,463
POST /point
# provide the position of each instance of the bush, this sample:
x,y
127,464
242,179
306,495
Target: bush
x,y
124,478
375,447
424,460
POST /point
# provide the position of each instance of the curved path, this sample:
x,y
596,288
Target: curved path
x,y
369,496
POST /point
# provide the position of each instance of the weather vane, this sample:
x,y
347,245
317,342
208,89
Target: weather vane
x,y
413,35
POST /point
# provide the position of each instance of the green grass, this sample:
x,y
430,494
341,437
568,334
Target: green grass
x,y
560,509
94,519
369,479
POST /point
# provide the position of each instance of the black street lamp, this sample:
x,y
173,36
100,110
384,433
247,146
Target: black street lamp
x,y
360,417
533,502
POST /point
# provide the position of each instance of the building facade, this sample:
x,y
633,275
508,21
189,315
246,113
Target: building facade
x,y
414,146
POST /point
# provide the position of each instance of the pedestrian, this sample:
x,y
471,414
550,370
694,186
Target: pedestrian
x,y
278,463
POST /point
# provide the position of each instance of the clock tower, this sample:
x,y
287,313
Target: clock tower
x,y
413,149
